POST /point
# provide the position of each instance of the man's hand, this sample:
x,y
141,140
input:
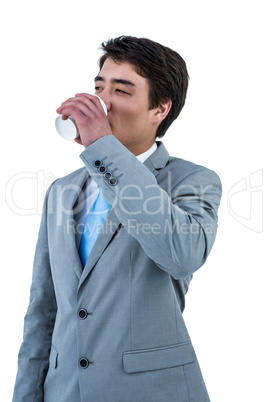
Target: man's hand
x,y
89,116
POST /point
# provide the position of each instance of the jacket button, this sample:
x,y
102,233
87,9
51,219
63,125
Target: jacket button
x,y
83,363
82,314
113,181
102,169
97,163
107,175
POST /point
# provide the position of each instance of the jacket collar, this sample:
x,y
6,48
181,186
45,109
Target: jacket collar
x,y
158,159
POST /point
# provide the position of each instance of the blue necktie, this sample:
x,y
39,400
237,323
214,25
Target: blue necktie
x,y
94,221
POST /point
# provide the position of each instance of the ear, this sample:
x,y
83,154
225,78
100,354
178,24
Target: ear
x,y
162,111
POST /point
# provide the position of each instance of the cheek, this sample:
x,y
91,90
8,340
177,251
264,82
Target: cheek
x,y
127,118
131,116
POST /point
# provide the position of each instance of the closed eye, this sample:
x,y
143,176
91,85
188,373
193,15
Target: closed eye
x,y
122,92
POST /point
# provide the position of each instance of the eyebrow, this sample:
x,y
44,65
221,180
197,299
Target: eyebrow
x,y
116,81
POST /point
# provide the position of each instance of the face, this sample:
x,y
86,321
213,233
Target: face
x,y
125,94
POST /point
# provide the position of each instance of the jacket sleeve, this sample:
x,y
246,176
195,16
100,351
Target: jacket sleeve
x,y
176,228
38,323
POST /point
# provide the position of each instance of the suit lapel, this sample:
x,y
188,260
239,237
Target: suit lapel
x,y
69,197
108,231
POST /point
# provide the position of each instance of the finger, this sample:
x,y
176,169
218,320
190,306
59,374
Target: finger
x,y
67,102
75,113
91,98
82,100
72,106
91,101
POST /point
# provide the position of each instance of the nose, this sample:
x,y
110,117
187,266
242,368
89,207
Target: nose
x,y
108,106
106,99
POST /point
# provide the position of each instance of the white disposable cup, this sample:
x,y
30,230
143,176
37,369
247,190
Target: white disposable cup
x,y
67,129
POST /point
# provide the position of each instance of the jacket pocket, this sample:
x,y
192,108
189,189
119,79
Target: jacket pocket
x,y
136,361
53,358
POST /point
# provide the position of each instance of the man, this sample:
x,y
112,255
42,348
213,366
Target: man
x,y
106,325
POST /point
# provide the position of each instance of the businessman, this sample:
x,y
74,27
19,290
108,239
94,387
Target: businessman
x,y
118,244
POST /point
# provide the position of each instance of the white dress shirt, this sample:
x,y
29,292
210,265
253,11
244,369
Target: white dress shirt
x,y
89,194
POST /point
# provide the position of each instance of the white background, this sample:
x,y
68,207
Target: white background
x,y
49,51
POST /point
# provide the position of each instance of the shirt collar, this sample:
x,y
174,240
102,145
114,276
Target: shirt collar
x,y
142,157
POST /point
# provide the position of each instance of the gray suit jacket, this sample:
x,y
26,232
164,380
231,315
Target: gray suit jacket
x,y
114,331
